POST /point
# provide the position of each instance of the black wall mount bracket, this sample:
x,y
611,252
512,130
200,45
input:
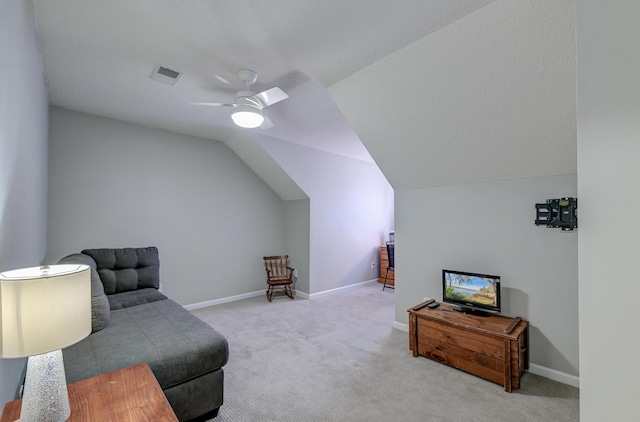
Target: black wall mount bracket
x,y
562,213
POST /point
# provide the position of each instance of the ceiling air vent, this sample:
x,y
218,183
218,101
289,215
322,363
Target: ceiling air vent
x,y
165,75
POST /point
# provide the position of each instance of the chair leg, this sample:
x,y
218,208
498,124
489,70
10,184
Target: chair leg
x,y
286,289
385,281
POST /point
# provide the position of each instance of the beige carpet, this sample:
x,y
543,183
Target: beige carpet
x,y
338,358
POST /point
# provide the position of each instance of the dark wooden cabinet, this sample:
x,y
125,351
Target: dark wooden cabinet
x,y
384,263
495,348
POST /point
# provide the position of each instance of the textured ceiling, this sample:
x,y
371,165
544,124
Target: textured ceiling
x,y
98,56
436,92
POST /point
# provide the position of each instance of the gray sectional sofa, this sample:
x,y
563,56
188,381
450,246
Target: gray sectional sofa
x,y
133,322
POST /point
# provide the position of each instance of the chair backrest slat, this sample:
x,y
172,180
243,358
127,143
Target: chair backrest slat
x,y
276,265
390,254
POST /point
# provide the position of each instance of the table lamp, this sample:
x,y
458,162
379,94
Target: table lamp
x,y
42,310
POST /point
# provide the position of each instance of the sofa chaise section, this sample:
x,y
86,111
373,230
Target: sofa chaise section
x,y
185,354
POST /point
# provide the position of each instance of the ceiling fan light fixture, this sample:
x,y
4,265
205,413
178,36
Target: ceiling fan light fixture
x,y
247,116
247,108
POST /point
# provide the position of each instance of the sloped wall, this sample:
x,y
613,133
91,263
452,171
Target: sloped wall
x,y
350,212
488,97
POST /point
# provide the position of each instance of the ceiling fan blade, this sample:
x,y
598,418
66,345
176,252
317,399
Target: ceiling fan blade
x,y
271,96
213,104
266,124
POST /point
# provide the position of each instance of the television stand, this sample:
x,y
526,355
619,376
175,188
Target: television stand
x,y
495,348
470,311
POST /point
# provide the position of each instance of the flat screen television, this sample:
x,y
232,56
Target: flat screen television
x,y
472,293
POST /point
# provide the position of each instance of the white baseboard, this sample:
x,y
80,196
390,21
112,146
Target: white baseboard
x,y
543,371
296,293
552,374
303,295
223,300
401,326
350,286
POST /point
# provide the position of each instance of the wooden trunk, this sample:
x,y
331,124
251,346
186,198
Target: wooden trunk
x,y
495,348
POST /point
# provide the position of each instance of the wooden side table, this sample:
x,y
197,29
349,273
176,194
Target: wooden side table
x,y
128,394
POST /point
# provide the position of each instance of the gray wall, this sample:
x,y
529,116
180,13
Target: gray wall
x,y
497,87
608,186
351,212
23,155
115,184
489,228
296,232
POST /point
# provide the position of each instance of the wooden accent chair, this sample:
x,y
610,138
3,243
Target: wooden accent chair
x,y
279,275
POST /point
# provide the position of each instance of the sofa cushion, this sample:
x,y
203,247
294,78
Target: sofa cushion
x,y
133,298
177,345
100,309
127,269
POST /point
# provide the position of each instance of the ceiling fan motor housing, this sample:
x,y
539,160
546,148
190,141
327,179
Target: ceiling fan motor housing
x,y
247,76
248,98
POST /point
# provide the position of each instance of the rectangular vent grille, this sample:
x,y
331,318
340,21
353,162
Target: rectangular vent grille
x,y
168,72
165,75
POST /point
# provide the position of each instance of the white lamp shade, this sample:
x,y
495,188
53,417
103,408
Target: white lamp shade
x,y
41,312
247,116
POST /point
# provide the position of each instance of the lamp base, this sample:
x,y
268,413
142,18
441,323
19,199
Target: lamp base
x,y
45,397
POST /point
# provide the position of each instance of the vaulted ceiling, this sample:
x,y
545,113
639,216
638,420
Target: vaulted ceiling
x,y
372,80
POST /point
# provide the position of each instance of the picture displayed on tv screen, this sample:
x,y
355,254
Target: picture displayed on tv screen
x,y
472,288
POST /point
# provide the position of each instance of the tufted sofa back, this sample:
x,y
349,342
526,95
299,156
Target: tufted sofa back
x,y
126,269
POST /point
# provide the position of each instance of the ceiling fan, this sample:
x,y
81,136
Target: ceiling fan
x,y
247,108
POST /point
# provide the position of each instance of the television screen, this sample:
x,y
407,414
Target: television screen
x,y
471,292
